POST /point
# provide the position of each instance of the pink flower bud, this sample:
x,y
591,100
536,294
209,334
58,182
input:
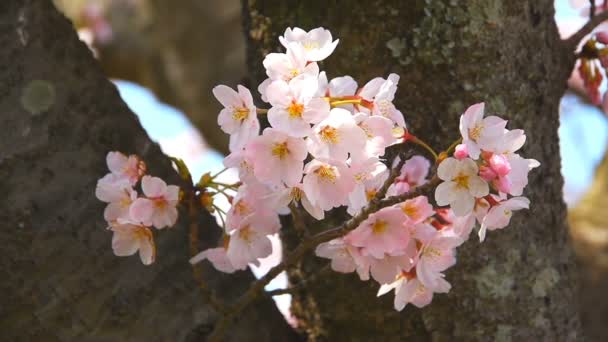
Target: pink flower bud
x,y
502,184
602,37
460,152
500,164
486,173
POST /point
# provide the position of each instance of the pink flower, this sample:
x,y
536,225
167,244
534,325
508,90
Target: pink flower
x,y
381,93
479,133
131,167
119,195
286,66
328,183
499,216
130,238
247,245
378,131
317,43
413,174
248,206
342,255
283,197
417,209
244,165
238,118
277,158
386,269
518,177
336,136
461,185
381,233
159,208
370,174
217,257
460,152
294,106
436,255
408,289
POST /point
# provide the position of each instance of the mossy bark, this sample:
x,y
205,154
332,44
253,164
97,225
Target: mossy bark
x,y
520,284
59,280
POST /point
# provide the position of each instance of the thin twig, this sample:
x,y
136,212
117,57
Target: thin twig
x,y
300,285
572,42
208,295
298,221
305,246
591,9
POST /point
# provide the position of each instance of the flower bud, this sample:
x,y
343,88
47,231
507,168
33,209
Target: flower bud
x,y
602,37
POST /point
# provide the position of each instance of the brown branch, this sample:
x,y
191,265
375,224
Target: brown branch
x,y
572,42
305,246
300,285
298,221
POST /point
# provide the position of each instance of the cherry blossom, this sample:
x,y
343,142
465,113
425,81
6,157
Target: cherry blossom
x,y
382,232
461,185
417,209
277,158
246,205
328,183
499,216
247,245
370,174
478,132
294,106
436,255
342,255
285,66
119,195
336,137
283,197
378,131
131,167
408,289
158,209
130,238
217,257
238,118
381,93
413,174
317,43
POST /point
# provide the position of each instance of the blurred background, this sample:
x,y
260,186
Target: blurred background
x,y
166,56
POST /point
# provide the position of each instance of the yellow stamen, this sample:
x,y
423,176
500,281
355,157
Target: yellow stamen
x,y
240,113
296,194
280,150
310,45
475,132
240,208
295,110
410,210
326,173
329,135
370,194
245,234
462,181
379,227
431,252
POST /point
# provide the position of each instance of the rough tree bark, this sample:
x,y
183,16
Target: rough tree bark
x,y
520,284
59,281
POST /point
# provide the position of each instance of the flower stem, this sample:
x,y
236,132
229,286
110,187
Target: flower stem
x,y
421,143
261,111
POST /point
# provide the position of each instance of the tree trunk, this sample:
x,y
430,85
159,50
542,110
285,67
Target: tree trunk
x,y
520,284
59,116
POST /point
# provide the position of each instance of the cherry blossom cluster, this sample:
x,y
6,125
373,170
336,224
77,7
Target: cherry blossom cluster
x,y
325,148
130,217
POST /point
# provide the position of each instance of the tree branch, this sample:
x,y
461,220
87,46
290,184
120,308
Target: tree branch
x,y
573,41
306,245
